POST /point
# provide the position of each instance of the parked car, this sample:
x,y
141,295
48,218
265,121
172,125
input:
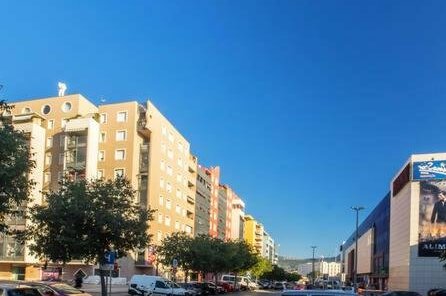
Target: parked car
x,y
192,289
279,286
56,289
19,290
401,293
317,293
227,286
141,284
207,288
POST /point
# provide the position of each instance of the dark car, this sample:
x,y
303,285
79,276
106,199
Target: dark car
x,y
401,293
191,288
56,289
17,289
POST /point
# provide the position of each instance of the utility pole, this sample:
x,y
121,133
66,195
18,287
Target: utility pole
x,y
313,275
355,279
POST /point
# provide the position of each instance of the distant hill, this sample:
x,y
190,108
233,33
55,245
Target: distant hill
x,y
289,263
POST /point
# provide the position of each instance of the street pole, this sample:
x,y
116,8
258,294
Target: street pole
x,y
312,272
355,278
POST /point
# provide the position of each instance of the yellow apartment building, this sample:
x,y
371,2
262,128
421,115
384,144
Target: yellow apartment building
x,y
253,233
72,137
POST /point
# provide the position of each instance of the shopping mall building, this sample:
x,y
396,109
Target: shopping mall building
x,y
400,241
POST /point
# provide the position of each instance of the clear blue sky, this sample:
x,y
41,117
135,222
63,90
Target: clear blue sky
x,y
309,107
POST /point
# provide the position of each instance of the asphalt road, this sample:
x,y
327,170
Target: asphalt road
x,y
245,293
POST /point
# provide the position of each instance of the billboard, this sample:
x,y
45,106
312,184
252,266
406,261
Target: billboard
x,y
432,221
424,170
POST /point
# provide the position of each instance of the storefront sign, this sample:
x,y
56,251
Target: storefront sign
x,y
432,219
426,170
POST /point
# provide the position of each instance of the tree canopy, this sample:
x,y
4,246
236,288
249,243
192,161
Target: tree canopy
x,y
206,254
83,219
15,167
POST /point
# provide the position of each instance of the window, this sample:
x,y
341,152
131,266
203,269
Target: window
x,y
62,141
168,204
188,229
179,178
61,158
120,154
178,209
170,153
180,146
100,174
184,212
66,107
171,138
163,130
162,165
178,193
101,155
26,110
49,142
169,170
102,137
119,173
48,158
103,118
168,187
180,162
163,147
161,200
121,135
182,227
177,225
46,109
47,177
160,218
51,124
122,116
167,221
162,182
63,123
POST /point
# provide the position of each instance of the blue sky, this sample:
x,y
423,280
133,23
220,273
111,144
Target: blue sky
x,y
309,107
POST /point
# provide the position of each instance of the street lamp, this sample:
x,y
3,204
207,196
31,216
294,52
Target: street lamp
x,y
355,279
312,273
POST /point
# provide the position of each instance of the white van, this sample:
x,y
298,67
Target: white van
x,y
144,285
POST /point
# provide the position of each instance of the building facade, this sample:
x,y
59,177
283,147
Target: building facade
x,y
401,239
73,138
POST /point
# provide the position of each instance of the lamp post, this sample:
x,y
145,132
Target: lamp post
x,y
355,278
312,272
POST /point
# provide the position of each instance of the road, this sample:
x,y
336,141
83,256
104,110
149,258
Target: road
x,y
247,293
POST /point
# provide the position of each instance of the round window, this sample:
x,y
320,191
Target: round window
x,y
26,110
46,109
66,107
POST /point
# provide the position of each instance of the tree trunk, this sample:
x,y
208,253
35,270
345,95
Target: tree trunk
x,y
186,273
235,281
103,286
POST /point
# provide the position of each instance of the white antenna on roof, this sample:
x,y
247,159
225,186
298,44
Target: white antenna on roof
x,y
62,88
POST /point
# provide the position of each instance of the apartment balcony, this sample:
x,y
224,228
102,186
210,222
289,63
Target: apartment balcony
x,y
142,123
190,200
190,184
190,214
193,163
144,158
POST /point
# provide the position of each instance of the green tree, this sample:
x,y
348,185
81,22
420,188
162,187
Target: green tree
x,y
261,267
292,277
276,274
84,219
240,257
15,167
177,246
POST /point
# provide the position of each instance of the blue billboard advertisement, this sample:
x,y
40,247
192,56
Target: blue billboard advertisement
x,y
428,170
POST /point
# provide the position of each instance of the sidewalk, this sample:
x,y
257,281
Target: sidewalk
x,y
91,288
